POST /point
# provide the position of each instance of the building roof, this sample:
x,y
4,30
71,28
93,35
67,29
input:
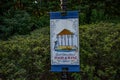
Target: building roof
x,y
65,32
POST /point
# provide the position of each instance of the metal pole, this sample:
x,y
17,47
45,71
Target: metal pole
x,y
63,6
64,74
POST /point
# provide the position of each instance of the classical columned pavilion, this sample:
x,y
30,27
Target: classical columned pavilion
x,y
65,38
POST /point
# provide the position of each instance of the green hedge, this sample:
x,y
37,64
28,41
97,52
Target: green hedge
x,y
27,57
99,52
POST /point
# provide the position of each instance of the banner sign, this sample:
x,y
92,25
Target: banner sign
x,y
64,36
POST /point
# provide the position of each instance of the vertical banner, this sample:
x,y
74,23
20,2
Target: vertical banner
x,y
64,36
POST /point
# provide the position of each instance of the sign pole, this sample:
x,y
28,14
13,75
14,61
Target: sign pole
x,y
64,73
63,5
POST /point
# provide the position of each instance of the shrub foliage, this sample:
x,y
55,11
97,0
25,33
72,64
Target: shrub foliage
x,y
27,57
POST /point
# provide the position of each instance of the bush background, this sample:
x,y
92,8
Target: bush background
x,y
25,39
27,57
